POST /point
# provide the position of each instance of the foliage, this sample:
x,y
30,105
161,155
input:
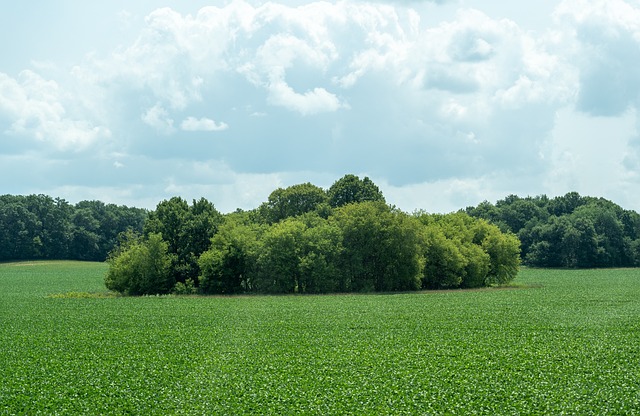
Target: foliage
x,y
351,189
187,230
563,342
228,266
462,251
381,248
292,202
302,240
40,227
298,243
568,231
186,288
140,266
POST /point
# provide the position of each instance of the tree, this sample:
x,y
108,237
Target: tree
x,y
444,263
229,265
85,239
462,251
566,204
168,220
19,236
187,230
350,189
55,231
293,201
140,266
504,253
279,260
319,260
381,248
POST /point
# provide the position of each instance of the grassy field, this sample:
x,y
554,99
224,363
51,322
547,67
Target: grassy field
x,y
564,342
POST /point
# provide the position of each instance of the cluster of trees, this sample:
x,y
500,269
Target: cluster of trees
x,y
304,239
39,227
568,231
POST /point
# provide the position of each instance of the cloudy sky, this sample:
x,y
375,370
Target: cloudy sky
x,y
442,103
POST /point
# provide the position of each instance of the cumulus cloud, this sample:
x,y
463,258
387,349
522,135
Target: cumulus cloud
x,y
37,109
389,85
345,87
158,118
606,36
202,124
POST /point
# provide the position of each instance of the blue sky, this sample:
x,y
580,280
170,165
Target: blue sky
x,y
442,103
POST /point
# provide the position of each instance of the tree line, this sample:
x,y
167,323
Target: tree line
x,y
571,231
40,227
305,239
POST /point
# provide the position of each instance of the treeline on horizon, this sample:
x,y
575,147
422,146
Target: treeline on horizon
x,y
39,227
305,239
569,231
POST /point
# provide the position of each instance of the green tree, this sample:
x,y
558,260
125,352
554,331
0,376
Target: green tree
x,y
279,260
381,248
140,266
462,251
19,232
445,265
187,230
229,265
503,250
293,201
85,239
168,220
351,189
319,260
55,228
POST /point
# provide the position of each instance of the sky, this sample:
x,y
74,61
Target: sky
x,y
442,103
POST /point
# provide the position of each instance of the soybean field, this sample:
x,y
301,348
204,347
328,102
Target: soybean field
x,y
555,341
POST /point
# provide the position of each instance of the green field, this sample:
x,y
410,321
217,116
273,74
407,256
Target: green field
x,y
562,342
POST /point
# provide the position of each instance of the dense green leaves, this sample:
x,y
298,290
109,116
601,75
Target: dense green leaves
x,y
558,342
360,247
40,227
293,201
350,189
302,240
462,251
381,248
228,265
140,267
568,231
187,230
298,243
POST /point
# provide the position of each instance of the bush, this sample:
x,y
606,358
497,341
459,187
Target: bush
x,y
186,288
140,267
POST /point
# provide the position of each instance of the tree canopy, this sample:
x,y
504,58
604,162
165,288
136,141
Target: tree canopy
x,y
40,227
305,239
568,231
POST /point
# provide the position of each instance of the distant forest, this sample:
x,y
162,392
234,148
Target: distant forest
x,y
37,227
570,231
305,239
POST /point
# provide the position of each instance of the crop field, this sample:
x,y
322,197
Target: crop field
x,y
557,342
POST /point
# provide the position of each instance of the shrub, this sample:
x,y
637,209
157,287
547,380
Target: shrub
x,y
140,267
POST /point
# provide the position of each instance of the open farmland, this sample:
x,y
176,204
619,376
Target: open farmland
x,y
562,342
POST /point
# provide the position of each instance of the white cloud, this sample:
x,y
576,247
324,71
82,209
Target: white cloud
x,y
202,124
158,118
311,102
37,109
605,40
445,107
